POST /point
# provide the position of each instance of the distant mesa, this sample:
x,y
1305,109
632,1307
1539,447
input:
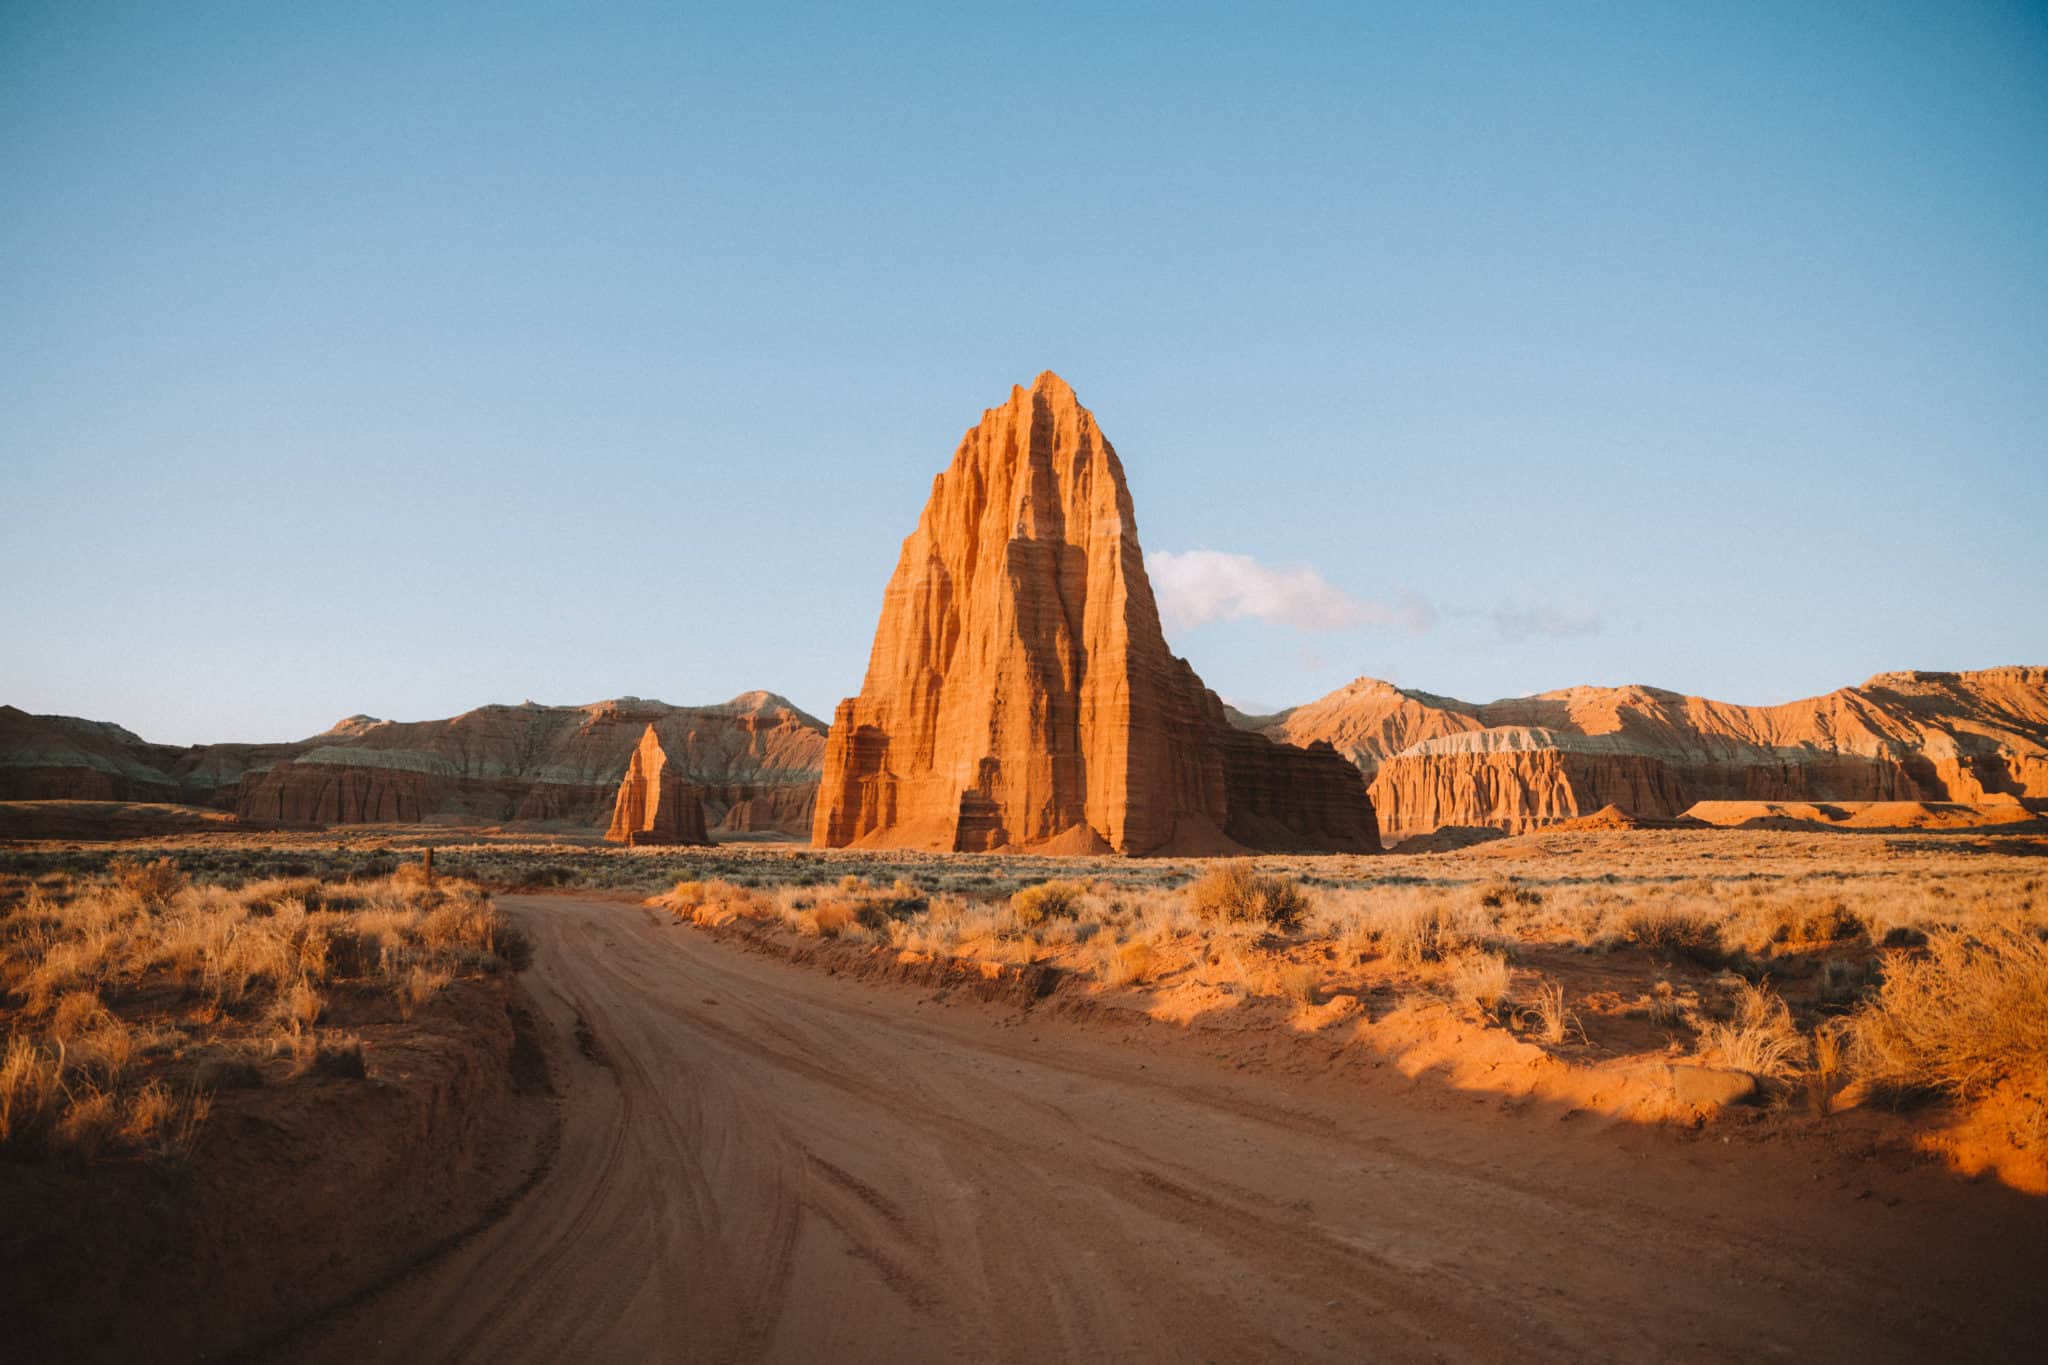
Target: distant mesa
x,y
755,760
1020,694
655,805
1971,747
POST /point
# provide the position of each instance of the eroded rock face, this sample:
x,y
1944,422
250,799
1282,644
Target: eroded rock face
x,y
65,758
1528,762
655,805
755,759
1020,693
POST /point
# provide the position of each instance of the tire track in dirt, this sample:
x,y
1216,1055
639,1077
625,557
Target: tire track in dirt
x,y
771,1163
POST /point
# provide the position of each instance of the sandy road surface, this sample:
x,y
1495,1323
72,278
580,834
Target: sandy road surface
x,y
762,1161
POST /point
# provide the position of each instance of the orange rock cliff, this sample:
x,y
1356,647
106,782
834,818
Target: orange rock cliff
x,y
655,805
1020,693
1526,762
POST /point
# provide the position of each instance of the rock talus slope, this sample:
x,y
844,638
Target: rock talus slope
x,y
1526,762
655,805
1020,693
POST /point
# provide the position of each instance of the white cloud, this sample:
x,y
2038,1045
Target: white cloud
x,y
1549,623
1196,587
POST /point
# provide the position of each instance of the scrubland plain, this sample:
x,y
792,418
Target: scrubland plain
x,y
1878,1003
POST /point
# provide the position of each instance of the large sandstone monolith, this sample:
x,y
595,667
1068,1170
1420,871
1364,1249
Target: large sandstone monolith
x,y
1020,693
655,805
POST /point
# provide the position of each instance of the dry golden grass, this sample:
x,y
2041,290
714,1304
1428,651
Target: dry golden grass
x,y
1555,1023
1760,1039
1713,943
1964,1014
1480,979
112,983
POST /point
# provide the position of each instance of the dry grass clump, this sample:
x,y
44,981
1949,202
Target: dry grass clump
x,y
715,902
852,908
1424,930
1234,892
1554,1023
1830,1061
1675,934
111,982
1807,921
1480,979
1968,1012
1760,1039
1130,964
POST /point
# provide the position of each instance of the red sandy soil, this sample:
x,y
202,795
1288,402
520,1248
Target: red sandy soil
x,y
764,1160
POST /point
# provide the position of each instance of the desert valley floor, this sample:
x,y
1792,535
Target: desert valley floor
x,y
794,1104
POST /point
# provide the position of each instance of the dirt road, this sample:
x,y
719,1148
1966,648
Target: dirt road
x,y
761,1161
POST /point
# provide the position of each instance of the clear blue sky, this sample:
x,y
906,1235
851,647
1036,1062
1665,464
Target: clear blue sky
x,y
404,358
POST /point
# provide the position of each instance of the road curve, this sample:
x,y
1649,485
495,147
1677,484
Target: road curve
x,y
765,1162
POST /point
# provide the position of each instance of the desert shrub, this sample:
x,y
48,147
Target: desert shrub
x,y
826,919
1503,892
1480,979
153,883
1048,900
716,900
1674,934
1235,893
1804,921
1128,965
1760,1039
1968,1012
1422,932
875,908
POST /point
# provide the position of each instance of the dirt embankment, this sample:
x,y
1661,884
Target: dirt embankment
x,y
296,1197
